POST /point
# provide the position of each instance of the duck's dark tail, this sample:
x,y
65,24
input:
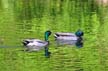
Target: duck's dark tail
x,y
25,43
56,35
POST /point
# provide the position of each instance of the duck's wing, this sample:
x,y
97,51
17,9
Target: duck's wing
x,y
67,38
64,34
41,41
38,43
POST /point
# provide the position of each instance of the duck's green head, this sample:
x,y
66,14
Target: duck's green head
x,y
79,33
47,34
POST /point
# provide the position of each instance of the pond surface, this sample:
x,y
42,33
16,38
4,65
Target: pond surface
x,y
30,19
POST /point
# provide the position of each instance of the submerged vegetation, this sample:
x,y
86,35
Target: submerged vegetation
x,y
20,19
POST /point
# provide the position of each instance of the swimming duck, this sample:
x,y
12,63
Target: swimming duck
x,y
69,38
37,44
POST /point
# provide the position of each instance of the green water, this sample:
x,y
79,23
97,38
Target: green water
x,y
21,19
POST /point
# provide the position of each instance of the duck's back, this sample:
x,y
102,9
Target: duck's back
x,y
64,34
65,38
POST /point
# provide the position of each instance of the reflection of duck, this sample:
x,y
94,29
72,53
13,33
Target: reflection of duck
x,y
69,38
36,44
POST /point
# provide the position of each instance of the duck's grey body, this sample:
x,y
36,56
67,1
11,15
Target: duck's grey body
x,y
65,38
34,44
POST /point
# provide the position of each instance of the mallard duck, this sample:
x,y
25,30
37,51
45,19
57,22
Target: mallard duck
x,y
37,44
34,44
69,38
